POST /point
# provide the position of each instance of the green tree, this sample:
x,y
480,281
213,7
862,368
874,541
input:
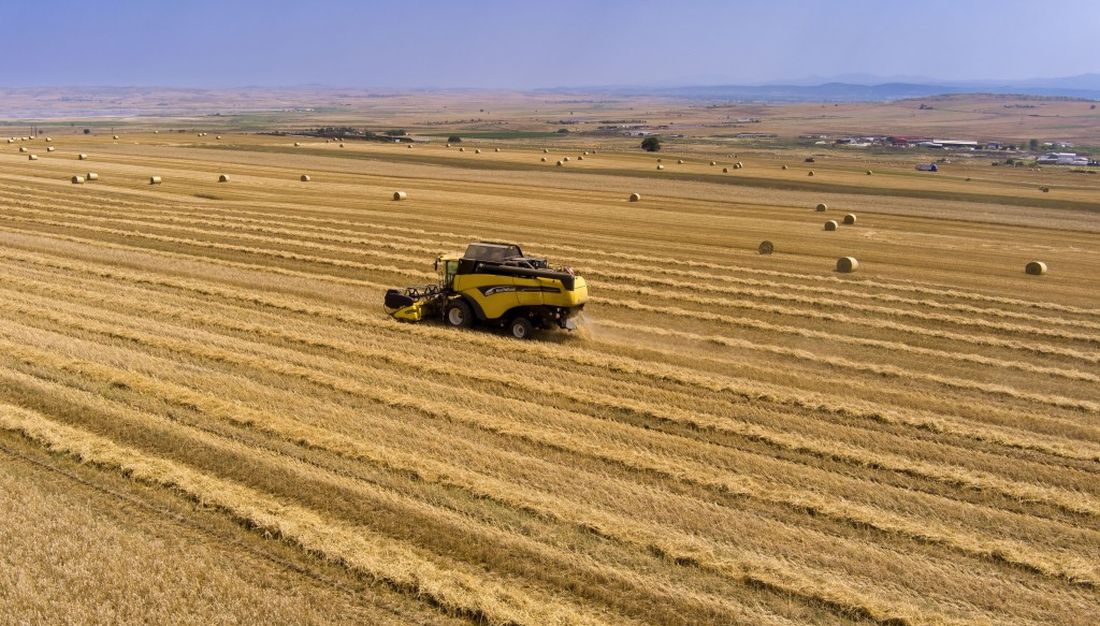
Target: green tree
x,y
1033,144
651,144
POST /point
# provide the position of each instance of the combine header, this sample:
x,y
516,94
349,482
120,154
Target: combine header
x,y
495,284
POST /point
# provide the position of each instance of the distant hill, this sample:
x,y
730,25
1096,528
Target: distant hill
x,y
1085,86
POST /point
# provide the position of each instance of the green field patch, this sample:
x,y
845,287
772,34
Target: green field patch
x,y
496,134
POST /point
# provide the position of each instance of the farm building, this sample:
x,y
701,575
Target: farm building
x,y
1062,158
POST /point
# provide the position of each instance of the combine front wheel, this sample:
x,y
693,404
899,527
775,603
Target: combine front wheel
x,y
458,314
522,328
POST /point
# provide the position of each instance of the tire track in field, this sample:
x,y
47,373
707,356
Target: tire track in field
x,y
370,246
860,410
641,459
124,304
742,566
729,320
449,522
855,456
745,304
878,369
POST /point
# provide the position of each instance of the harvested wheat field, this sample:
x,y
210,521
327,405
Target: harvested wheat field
x,y
202,399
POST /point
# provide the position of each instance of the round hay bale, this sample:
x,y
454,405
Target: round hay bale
x,y
869,172
22,148
49,148
740,165
49,139
811,173
580,158
586,153
498,150
32,157
1044,189
561,163
566,159
304,178
593,152
680,162
77,180
400,195
1036,268
784,167
82,157
462,149
409,146
822,207
847,264
156,132
341,145
11,141
91,176
765,247
477,151
154,180
830,225
713,163
543,159
725,170
968,179
546,150
658,160
223,178
635,197
660,167
448,145
850,219
218,137
297,144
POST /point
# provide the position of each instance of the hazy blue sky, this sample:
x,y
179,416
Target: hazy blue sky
x,y
423,43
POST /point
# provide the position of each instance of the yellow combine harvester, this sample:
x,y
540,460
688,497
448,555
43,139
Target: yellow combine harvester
x,y
494,283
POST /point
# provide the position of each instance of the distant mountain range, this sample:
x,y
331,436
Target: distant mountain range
x,y
855,88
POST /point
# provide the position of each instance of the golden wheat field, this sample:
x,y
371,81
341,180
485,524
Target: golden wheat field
x,y
207,417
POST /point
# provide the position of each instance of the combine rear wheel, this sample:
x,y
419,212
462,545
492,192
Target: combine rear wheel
x,y
521,328
458,314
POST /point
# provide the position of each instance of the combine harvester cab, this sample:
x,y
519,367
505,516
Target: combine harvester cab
x,y
497,285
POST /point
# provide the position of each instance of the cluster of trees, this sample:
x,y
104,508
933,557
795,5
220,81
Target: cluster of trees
x,y
357,133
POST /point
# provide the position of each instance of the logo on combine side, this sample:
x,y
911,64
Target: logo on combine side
x,y
489,290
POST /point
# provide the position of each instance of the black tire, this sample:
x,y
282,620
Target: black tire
x,y
458,314
521,328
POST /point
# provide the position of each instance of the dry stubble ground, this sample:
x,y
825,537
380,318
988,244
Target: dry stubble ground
x,y
204,406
